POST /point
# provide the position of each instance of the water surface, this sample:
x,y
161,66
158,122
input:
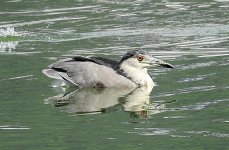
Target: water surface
x,y
187,110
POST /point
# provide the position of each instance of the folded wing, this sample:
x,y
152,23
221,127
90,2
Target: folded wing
x,y
88,72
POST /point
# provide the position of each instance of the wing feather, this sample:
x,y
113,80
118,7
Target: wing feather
x,y
88,72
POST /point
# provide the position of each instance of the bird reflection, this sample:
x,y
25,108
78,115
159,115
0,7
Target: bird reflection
x,y
94,101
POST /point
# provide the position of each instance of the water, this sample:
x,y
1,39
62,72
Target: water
x,y
187,110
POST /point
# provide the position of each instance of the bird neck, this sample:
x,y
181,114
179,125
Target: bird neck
x,y
138,75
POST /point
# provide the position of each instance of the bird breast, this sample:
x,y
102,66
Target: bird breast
x,y
138,75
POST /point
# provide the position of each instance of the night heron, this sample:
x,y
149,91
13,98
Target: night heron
x,y
98,72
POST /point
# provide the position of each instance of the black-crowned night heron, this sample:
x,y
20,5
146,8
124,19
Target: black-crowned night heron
x,y
98,72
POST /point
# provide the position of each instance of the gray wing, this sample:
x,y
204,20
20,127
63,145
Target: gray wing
x,y
88,72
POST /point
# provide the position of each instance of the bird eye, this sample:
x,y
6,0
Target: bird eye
x,y
140,57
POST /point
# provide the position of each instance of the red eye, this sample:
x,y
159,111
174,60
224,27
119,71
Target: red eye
x,y
140,57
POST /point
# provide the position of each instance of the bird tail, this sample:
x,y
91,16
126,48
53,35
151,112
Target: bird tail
x,y
51,73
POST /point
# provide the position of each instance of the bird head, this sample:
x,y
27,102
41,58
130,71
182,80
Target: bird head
x,y
141,59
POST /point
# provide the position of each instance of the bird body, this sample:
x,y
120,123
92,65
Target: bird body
x,y
98,72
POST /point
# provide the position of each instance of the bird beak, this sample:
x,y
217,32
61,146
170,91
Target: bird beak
x,y
157,62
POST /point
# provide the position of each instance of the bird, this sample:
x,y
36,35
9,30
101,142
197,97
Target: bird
x,y
98,72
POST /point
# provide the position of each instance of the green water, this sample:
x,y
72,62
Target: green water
x,y
188,109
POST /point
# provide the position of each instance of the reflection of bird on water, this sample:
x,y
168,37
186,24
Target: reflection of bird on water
x,y
88,100
97,72
94,101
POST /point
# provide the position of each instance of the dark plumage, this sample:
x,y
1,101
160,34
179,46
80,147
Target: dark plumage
x,y
131,54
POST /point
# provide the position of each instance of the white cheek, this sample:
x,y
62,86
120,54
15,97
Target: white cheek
x,y
133,62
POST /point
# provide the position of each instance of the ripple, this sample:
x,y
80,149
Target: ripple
x,y
44,11
9,39
8,31
175,133
18,77
45,21
197,106
176,117
8,46
197,65
176,5
19,53
224,6
12,127
204,41
208,133
198,78
186,90
152,131
203,5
